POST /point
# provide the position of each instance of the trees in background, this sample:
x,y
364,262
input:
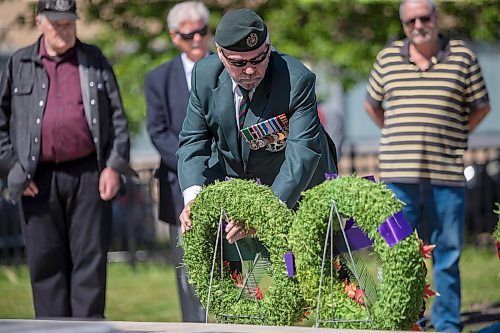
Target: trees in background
x,y
346,34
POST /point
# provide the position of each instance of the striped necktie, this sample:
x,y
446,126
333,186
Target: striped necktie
x,y
244,104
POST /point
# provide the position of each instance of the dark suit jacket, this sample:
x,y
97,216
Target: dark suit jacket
x,y
167,97
289,88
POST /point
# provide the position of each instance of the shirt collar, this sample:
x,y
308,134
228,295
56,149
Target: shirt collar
x,y
443,51
187,63
42,51
237,91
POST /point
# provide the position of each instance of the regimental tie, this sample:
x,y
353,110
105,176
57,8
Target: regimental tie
x,y
244,105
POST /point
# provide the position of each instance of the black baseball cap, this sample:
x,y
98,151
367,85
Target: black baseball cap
x,y
57,9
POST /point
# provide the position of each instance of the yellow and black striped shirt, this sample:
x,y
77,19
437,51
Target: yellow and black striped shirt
x,y
426,112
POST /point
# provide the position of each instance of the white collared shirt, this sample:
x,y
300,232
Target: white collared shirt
x,y
191,192
188,65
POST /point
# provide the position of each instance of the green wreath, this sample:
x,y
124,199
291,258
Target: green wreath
x,y
399,296
256,206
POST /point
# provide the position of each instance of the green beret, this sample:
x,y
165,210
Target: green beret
x,y
241,30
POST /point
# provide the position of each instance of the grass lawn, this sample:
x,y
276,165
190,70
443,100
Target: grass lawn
x,y
149,292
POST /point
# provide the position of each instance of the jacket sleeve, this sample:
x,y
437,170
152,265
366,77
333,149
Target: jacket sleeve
x,y
7,155
159,128
118,154
303,149
194,141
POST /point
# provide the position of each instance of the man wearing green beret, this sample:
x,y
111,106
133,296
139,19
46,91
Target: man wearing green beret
x,y
259,107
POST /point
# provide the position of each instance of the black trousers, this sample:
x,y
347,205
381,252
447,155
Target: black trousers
x,y
67,231
191,308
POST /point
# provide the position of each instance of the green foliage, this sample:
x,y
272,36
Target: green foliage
x,y
345,34
400,293
256,206
399,297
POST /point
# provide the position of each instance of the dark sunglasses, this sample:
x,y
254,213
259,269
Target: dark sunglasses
x,y
423,19
190,35
254,61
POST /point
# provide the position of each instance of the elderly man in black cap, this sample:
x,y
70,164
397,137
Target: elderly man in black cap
x,y
259,107
63,144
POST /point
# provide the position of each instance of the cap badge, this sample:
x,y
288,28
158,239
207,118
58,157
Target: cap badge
x,y
252,39
63,5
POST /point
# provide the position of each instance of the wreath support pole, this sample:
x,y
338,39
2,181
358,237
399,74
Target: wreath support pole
x,y
219,241
318,321
329,234
219,235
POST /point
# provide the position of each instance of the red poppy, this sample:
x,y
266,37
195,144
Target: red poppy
x,y
426,249
416,327
359,297
428,292
258,293
237,279
350,289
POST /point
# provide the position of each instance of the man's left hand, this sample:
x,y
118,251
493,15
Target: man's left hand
x,y
236,232
109,183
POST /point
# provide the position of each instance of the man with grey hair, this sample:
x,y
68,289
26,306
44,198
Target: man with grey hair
x,y
427,94
167,90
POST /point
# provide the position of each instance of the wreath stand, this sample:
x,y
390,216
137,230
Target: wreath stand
x,y
329,236
248,276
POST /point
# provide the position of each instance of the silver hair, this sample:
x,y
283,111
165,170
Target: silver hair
x,y
430,3
187,11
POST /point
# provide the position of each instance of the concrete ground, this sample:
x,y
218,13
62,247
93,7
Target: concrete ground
x,y
67,326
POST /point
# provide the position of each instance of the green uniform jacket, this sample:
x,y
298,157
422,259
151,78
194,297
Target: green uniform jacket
x,y
288,87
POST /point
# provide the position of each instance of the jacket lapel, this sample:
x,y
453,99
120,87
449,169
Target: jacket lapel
x,y
83,69
180,77
226,114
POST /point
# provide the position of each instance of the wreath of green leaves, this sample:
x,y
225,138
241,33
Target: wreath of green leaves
x,y
496,232
399,294
256,206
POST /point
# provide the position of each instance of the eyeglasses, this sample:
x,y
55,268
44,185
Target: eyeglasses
x,y
190,35
423,19
254,61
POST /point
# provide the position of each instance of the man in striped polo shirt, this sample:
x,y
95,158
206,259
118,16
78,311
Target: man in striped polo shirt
x,y
427,94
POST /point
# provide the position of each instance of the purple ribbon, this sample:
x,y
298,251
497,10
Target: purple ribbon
x,y
395,229
257,180
355,236
357,239
290,264
349,223
370,178
331,176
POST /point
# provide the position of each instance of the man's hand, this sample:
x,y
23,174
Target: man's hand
x,y
185,217
236,232
109,183
31,190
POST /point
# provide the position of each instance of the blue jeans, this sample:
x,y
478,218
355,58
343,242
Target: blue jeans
x,y
437,212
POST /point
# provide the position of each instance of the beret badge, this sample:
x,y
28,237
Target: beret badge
x,y
252,39
63,5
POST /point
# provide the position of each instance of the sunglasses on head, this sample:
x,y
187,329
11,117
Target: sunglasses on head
x,y
190,35
423,19
254,61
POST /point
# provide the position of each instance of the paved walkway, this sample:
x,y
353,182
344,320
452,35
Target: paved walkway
x,y
56,326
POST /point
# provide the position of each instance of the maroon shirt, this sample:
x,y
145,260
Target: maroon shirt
x,y
65,133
